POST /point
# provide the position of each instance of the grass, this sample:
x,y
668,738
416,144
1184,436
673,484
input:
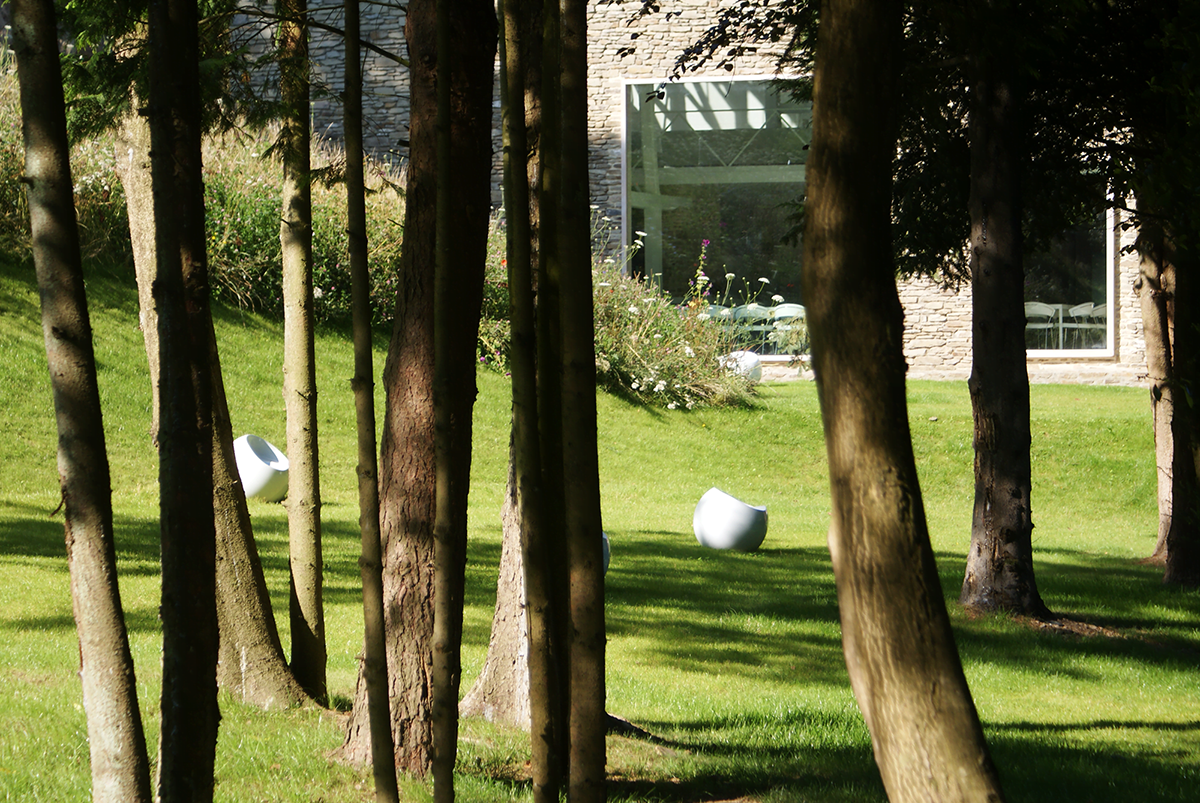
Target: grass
x,y
733,661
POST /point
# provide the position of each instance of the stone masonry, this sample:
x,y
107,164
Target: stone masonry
x,y
937,321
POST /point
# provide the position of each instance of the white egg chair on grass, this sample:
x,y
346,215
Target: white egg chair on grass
x,y
262,468
722,521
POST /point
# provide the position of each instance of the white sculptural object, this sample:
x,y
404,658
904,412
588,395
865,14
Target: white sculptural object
x,y
262,468
722,521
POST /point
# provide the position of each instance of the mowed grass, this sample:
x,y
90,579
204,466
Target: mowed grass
x,y
732,661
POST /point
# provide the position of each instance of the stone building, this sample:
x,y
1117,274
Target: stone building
x,y
712,160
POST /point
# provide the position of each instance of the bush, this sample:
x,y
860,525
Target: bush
x,y
656,351
242,199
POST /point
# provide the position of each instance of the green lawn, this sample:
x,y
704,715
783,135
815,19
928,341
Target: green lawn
x,y
733,661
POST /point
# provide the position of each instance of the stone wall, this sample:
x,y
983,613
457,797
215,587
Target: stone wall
x,y
937,321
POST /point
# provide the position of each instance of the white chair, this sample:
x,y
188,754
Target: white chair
x,y
752,323
1077,321
1040,321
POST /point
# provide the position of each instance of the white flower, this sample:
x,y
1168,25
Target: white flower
x,y
658,337
752,305
604,284
729,277
660,387
636,385
609,261
672,406
778,299
640,233
725,313
634,310
688,349
704,316
764,280
691,404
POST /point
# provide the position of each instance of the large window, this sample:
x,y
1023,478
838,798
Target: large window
x,y
718,167
1068,288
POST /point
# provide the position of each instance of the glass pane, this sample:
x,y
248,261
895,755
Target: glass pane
x,y
1066,292
715,170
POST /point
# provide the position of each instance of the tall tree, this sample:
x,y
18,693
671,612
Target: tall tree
x,y
900,651
374,673
581,475
252,666
187,747
999,573
407,463
117,744
299,360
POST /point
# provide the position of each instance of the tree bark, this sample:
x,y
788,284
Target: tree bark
x,y
407,464
117,743
581,475
1155,288
502,692
252,666
900,652
374,665
187,746
999,573
1183,536
299,361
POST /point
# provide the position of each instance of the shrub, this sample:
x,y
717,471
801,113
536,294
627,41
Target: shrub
x,y
242,199
657,351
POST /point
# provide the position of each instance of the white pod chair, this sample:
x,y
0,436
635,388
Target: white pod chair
x,y
744,363
262,468
722,521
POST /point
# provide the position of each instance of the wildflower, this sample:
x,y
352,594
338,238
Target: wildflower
x,y
634,310
690,404
636,385
729,277
764,280
658,337
752,305
604,284
640,233
672,406
725,313
660,387
704,243
778,299
688,349
704,316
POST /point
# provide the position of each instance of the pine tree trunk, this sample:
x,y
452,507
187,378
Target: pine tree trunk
x,y
581,476
407,463
117,744
187,746
1183,537
374,665
999,573
252,665
900,652
1155,289
299,360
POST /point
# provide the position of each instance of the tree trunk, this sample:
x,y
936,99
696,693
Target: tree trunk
x,y
519,684
1183,537
999,573
900,652
374,665
252,666
187,746
1155,288
117,744
581,475
299,361
407,493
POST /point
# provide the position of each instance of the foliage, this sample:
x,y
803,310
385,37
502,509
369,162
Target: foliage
x,y
650,348
242,190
